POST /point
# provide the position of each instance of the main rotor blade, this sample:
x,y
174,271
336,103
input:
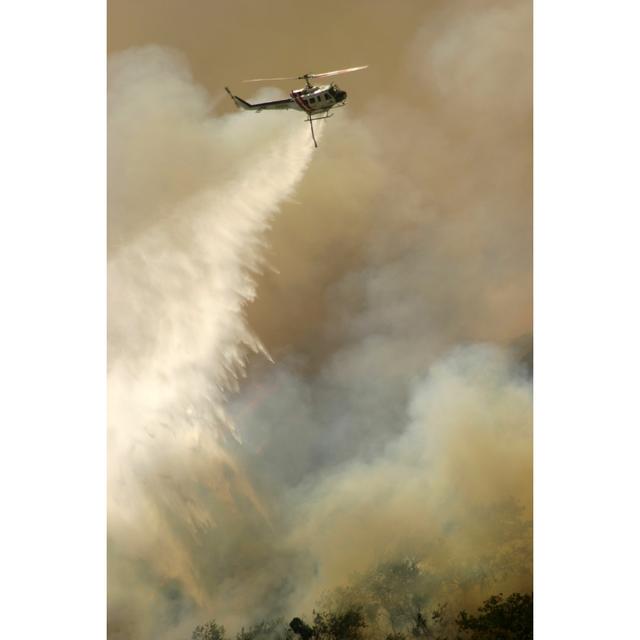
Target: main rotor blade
x,y
306,76
270,79
334,73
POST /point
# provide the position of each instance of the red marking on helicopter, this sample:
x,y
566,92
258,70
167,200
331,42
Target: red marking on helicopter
x,y
300,102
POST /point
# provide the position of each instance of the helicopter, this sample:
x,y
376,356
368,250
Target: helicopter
x,y
315,101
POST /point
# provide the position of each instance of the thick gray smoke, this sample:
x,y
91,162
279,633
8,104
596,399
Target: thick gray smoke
x,y
370,469
391,417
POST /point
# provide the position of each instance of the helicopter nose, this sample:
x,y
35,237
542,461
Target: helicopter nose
x,y
341,96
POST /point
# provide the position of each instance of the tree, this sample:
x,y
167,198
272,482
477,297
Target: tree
x,y
266,630
392,591
500,619
208,631
332,625
301,628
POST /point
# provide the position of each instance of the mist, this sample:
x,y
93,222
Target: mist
x,y
319,360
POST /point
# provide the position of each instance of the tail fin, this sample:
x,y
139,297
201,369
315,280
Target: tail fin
x,y
240,103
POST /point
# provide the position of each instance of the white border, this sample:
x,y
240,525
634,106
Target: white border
x,y
587,320
52,324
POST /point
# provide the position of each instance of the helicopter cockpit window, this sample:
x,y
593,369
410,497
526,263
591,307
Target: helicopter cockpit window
x,y
327,96
312,99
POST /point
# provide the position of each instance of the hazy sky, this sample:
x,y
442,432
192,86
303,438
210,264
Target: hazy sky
x,y
377,288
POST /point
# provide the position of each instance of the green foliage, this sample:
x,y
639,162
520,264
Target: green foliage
x,y
301,628
435,629
331,625
208,631
390,594
420,629
266,630
346,625
440,622
500,619
497,619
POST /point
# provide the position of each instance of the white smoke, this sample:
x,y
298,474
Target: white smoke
x,y
185,229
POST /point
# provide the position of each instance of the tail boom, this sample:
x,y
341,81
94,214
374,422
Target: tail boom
x,y
275,104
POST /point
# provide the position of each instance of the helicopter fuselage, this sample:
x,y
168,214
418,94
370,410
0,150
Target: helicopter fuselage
x,y
318,99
